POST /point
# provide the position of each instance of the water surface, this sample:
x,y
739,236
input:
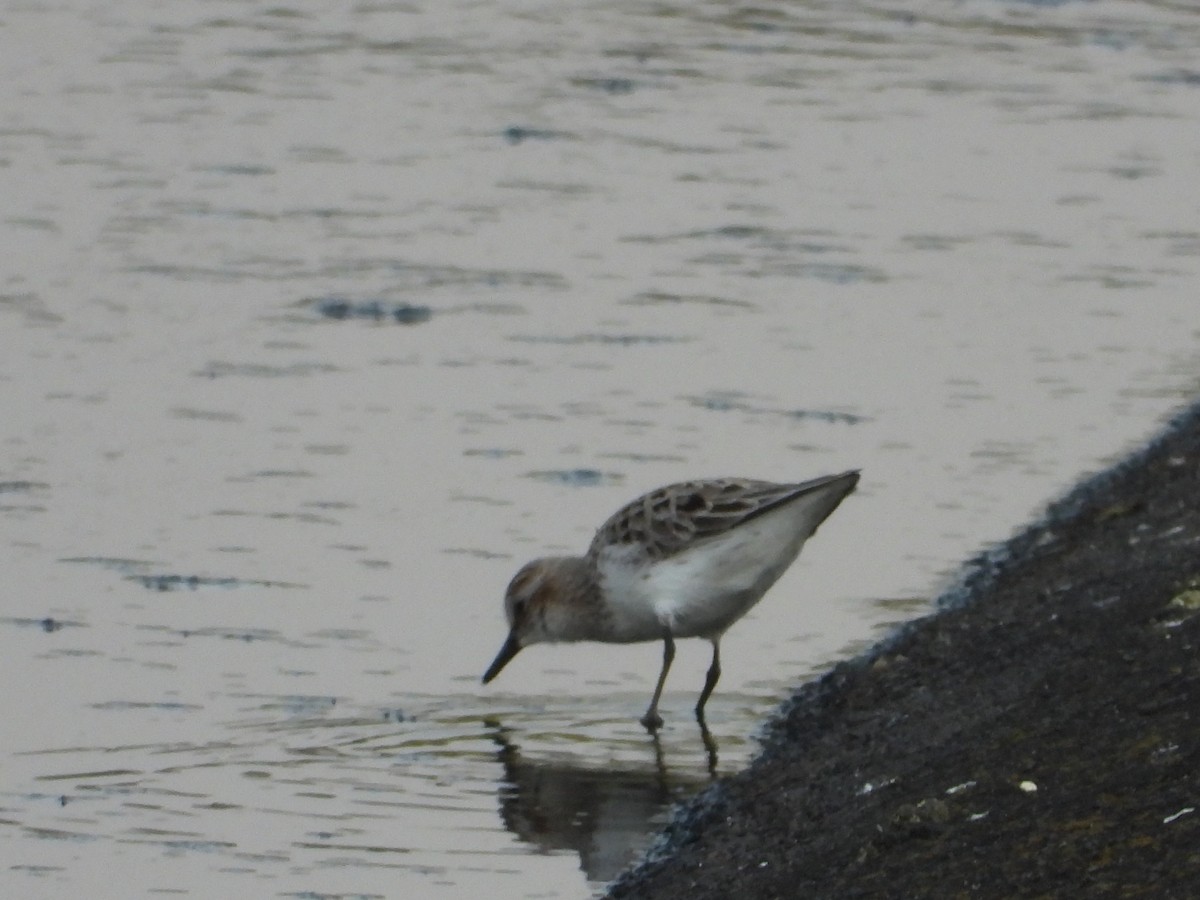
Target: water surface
x,y
316,323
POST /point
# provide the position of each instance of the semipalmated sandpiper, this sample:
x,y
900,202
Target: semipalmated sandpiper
x,y
686,560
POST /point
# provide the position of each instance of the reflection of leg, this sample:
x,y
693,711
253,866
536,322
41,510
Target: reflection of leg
x,y
710,745
652,720
660,761
710,680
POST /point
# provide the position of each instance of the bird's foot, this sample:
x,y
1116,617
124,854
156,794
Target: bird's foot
x,y
652,721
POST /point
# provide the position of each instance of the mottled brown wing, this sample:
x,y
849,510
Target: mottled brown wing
x,y
672,518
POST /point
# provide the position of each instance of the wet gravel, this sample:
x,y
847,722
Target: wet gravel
x,y
1039,736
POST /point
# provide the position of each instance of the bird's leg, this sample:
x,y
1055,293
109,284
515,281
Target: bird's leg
x,y
652,720
710,679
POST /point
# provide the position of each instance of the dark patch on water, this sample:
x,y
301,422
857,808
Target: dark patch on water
x,y
301,704
1188,77
780,253
828,415
517,134
475,553
246,635
575,477
791,241
341,309
21,487
196,582
662,298
117,563
133,704
1048,4
624,340
199,846
831,272
48,624
205,415
613,84
239,169
630,456
733,402
492,452
261,370
135,570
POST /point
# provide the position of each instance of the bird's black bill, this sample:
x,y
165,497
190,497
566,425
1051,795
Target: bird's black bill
x,y
510,649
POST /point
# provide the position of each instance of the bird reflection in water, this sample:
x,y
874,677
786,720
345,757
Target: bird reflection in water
x,y
608,814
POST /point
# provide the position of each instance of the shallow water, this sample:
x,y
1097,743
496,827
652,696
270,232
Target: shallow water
x,y
315,325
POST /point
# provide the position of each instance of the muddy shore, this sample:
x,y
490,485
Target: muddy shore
x,y
1038,736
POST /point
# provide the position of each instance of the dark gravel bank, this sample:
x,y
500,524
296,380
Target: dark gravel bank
x,y
1038,737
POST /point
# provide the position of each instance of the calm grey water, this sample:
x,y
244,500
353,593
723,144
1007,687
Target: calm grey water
x,y
317,320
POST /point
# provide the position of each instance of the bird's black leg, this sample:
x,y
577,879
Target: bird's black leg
x,y
652,720
710,680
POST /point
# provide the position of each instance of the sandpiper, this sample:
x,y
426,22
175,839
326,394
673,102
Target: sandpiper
x,y
686,560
